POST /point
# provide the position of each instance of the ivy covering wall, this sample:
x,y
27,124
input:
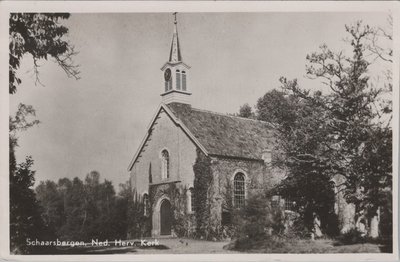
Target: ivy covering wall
x,y
182,221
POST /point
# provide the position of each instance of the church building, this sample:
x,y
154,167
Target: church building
x,y
239,150
190,155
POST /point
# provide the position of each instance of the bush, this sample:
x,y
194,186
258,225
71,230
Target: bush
x,y
278,221
253,220
298,229
353,236
257,223
138,224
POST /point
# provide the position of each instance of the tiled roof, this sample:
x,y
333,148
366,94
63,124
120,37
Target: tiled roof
x,y
225,135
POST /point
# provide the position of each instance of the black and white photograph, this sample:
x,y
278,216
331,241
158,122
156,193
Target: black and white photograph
x,y
162,129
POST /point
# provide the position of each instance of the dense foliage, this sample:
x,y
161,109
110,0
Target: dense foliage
x,y
337,138
25,212
299,139
246,111
254,219
84,210
203,191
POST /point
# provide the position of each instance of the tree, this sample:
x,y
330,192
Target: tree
x,y
40,35
253,221
25,213
74,195
77,210
341,133
138,225
361,136
356,135
300,150
246,111
51,200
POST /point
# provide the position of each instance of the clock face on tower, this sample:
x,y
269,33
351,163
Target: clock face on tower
x,y
167,74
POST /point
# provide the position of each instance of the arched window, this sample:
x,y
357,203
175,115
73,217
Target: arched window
x,y
178,80
191,196
164,164
183,80
239,190
146,205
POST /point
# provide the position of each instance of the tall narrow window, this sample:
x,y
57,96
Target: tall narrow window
x,y
150,174
166,86
191,204
146,205
183,80
170,84
178,80
239,190
164,164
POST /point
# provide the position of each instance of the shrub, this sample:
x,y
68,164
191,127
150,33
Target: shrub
x,y
353,236
138,224
254,219
278,220
298,229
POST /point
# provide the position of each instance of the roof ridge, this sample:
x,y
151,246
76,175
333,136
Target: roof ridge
x,y
222,114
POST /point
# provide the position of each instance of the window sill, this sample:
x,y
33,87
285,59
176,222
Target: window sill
x,y
165,182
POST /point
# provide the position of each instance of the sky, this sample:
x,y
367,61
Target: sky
x,y
98,121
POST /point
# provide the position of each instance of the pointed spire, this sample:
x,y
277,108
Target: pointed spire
x,y
175,53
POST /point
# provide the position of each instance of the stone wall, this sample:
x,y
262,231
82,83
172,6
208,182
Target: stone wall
x,y
259,177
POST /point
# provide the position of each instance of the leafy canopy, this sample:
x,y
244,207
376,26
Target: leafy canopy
x,y
40,35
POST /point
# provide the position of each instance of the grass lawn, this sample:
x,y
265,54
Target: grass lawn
x,y
194,246
324,246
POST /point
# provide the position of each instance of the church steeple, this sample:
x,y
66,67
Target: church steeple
x,y
175,53
175,71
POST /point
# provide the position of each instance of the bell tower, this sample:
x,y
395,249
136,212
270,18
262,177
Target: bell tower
x,y
175,73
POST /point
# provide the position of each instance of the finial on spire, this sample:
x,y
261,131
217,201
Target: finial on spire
x,y
175,22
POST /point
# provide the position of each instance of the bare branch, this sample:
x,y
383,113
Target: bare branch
x,y
66,63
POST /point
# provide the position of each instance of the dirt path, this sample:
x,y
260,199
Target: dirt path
x,y
186,246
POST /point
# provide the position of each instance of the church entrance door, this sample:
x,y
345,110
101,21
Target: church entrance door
x,y
165,217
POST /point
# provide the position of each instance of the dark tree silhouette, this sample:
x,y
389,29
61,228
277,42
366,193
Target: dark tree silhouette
x,y
40,35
